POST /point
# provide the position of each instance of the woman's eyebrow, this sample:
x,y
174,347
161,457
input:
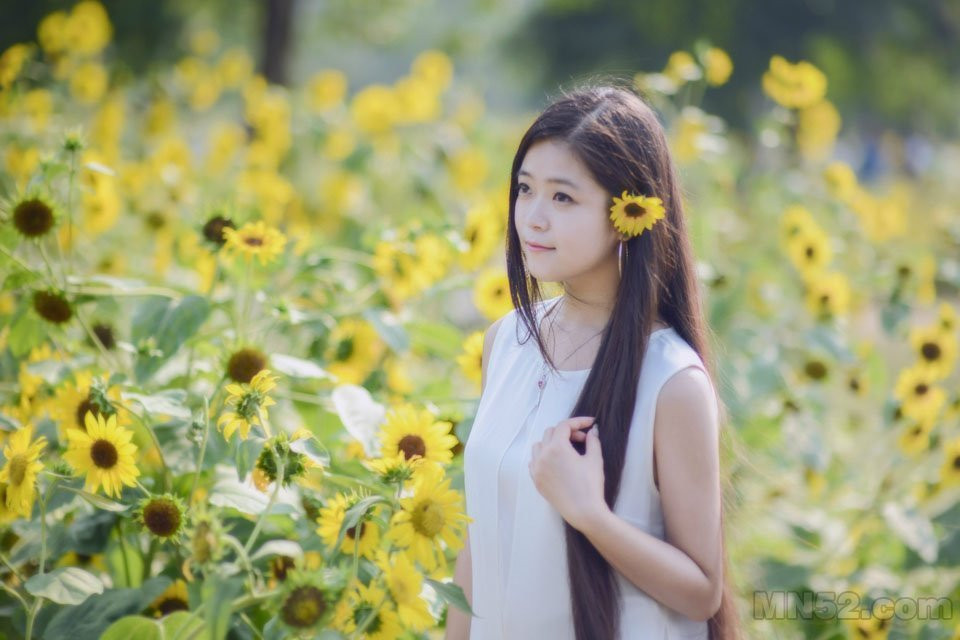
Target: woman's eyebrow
x,y
523,172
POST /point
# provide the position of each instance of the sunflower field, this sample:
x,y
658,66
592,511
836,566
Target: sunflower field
x,y
241,328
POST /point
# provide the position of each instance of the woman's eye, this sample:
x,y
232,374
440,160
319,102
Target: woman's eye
x,y
520,187
562,194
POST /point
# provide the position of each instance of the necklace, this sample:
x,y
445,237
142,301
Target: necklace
x,y
544,367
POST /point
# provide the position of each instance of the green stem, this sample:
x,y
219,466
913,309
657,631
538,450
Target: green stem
x,y
13,569
73,171
142,291
43,526
273,499
32,615
20,262
243,556
123,553
13,593
263,422
203,444
46,261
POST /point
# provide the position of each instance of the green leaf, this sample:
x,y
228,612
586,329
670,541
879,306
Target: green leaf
x,y
98,501
167,402
913,528
218,594
388,328
244,497
298,367
169,323
452,593
278,548
137,627
353,515
67,585
27,330
436,338
182,624
92,617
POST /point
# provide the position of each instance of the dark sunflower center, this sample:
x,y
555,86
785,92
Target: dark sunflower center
x,y
634,210
18,469
930,351
810,252
213,229
303,607
162,517
86,405
52,307
253,242
921,389
956,462
472,236
344,349
104,454
246,363
33,217
427,518
280,565
816,369
352,531
169,605
360,614
412,445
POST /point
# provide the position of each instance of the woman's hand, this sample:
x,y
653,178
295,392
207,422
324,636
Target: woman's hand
x,y
571,482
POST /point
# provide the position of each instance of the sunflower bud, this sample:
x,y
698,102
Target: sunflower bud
x,y
163,516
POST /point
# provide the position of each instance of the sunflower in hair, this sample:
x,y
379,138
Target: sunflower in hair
x,y
633,214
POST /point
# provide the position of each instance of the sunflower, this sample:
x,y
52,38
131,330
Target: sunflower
x,y
433,515
921,398
395,469
950,469
52,305
163,516
416,433
405,584
255,239
936,350
481,234
20,471
828,295
360,603
174,598
331,519
915,438
34,216
491,293
303,606
248,400
471,360
246,363
809,251
353,350
86,393
634,214
104,453
947,317
794,86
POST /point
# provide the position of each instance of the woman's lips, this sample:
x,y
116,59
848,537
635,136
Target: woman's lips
x,y
535,247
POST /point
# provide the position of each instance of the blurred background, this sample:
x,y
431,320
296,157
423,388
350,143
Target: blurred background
x,y
320,189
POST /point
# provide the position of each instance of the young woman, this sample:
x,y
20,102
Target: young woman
x,y
592,468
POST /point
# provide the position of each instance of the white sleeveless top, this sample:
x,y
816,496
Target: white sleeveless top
x,y
520,584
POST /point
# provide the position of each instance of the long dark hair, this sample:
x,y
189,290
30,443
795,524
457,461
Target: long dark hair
x,y
619,138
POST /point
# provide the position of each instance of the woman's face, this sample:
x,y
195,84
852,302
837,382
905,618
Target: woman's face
x,y
559,205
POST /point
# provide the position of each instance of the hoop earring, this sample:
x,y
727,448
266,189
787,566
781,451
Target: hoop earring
x,y
620,259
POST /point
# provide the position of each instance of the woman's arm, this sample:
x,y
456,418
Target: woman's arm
x,y
458,622
685,571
